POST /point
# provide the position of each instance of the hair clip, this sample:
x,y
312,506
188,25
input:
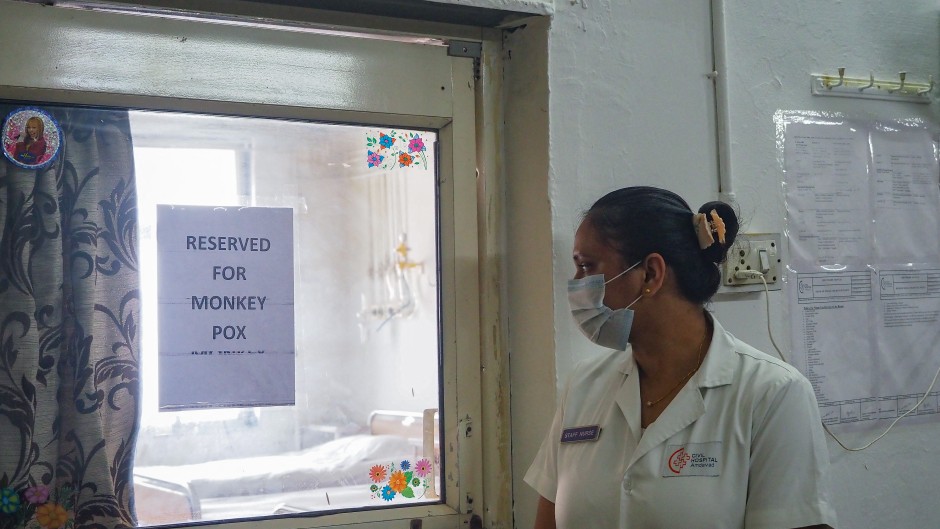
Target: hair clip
x,y
702,230
717,225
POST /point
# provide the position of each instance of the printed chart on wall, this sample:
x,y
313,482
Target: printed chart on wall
x,y
863,225
226,306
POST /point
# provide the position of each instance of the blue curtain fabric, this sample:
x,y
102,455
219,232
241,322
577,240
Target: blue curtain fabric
x,y
69,329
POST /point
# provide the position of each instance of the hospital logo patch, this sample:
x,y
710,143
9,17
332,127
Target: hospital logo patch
x,y
692,459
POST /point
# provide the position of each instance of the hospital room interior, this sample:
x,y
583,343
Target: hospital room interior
x,y
287,263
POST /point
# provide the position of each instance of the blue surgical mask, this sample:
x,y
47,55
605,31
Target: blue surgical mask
x,y
601,324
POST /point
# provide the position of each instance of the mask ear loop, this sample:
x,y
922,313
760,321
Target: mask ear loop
x,y
636,264
624,272
634,301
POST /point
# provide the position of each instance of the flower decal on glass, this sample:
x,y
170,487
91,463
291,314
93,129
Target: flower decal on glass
x,y
36,507
395,149
52,515
423,467
9,501
415,144
398,482
37,495
377,473
402,481
387,493
386,141
374,159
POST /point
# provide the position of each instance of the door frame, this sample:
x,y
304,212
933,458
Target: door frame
x,y
72,70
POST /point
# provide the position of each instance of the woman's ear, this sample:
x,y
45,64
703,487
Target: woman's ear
x,y
655,267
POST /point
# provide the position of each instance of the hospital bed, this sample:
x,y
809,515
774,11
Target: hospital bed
x,y
332,475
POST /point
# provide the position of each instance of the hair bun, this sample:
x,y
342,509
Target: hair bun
x,y
717,252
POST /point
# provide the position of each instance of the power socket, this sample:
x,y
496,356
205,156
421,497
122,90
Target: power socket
x,y
758,252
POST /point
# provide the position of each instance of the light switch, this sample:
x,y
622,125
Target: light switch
x,y
764,261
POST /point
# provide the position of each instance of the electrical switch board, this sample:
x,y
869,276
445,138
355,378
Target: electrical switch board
x,y
752,257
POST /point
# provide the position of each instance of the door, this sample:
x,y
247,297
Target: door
x,y
369,145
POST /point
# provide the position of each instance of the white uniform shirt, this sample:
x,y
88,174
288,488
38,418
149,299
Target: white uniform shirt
x,y
740,445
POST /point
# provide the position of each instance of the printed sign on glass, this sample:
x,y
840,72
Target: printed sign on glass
x,y
226,306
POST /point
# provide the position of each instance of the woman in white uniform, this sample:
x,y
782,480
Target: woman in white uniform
x,y
679,424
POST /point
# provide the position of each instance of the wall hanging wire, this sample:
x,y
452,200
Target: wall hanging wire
x,y
870,88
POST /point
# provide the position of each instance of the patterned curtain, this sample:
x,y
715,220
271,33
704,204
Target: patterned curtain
x,y
69,320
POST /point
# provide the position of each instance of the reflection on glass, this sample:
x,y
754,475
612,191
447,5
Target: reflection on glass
x,y
363,432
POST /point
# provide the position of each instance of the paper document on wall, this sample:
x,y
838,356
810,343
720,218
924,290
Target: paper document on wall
x,y
908,337
860,371
827,195
226,306
863,217
906,197
829,317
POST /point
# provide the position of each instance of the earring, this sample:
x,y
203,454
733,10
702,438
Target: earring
x,y
648,291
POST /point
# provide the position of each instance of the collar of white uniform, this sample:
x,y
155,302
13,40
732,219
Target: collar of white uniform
x,y
717,367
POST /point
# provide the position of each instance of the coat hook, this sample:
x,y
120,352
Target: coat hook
x,y
929,88
841,79
900,87
870,84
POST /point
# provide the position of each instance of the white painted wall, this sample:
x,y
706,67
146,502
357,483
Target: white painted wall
x,y
626,103
772,49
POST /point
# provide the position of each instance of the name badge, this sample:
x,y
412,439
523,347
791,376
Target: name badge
x,y
692,459
580,433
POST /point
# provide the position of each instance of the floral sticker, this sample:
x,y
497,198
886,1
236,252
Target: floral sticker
x,y
401,481
396,149
36,507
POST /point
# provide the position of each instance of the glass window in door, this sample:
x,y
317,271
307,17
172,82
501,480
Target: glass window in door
x,y
361,430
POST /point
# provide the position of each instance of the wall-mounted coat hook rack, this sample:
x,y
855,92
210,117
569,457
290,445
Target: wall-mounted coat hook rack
x,y
870,88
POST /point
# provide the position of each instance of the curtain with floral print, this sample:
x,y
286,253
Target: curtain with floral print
x,y
69,321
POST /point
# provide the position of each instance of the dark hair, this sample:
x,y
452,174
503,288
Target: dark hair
x,y
638,221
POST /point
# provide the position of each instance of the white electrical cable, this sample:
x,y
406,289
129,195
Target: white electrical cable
x,y
746,274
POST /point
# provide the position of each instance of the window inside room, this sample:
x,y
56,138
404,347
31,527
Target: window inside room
x,y
173,175
361,432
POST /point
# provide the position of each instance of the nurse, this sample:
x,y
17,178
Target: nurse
x,y
678,424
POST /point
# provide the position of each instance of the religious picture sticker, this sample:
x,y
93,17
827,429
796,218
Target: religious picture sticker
x,y
31,138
